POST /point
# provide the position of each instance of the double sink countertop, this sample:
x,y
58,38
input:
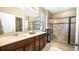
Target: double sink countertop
x,y
11,39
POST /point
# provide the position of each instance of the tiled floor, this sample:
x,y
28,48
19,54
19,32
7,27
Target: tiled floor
x,y
58,46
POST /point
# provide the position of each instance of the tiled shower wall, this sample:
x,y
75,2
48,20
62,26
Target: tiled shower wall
x,y
60,30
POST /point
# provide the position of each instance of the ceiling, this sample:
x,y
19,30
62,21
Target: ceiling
x,y
29,11
57,9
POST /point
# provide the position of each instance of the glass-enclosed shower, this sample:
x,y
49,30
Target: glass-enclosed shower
x,y
64,30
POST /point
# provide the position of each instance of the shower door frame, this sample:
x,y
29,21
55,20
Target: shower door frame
x,y
69,28
69,31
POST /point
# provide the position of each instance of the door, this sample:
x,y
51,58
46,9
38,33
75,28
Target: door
x,y
64,30
18,24
60,30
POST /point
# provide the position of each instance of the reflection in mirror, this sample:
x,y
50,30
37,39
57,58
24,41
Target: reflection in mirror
x,y
18,24
7,24
34,23
1,29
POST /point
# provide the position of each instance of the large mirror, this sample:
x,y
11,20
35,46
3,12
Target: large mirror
x,y
24,19
10,23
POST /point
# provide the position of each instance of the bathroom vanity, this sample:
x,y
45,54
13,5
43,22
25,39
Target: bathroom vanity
x,y
24,42
11,24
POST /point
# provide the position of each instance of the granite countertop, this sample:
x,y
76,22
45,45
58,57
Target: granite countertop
x,y
11,39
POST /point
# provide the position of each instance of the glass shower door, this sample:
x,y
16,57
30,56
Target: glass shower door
x,y
60,30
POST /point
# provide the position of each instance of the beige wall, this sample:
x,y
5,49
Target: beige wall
x,y
49,15
42,12
13,10
67,13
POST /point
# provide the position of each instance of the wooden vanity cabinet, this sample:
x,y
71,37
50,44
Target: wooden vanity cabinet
x,y
36,43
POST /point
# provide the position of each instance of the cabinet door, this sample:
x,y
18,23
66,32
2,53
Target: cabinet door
x,y
45,39
37,43
41,42
29,44
30,47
